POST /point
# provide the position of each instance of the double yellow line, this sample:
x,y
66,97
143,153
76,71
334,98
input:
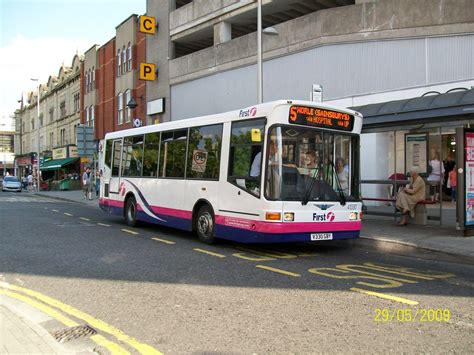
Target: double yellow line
x,y
45,304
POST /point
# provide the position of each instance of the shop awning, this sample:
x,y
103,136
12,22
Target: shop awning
x,y
57,164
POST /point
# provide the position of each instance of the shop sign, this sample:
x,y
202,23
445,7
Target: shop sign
x,y
23,161
59,153
84,160
73,151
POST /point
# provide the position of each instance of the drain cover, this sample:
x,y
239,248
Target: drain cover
x,y
68,334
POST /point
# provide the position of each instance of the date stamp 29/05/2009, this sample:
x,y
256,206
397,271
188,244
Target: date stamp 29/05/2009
x,y
406,315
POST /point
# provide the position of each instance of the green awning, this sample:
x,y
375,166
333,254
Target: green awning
x,y
56,164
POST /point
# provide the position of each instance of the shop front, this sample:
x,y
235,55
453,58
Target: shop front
x,y
23,164
62,171
420,132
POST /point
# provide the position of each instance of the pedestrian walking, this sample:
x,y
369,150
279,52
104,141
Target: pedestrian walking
x,y
87,184
30,182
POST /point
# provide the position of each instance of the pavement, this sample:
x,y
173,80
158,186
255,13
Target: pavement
x,y
24,331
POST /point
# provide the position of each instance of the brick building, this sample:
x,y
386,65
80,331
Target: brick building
x,y
111,80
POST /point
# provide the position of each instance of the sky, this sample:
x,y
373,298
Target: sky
x,y
38,36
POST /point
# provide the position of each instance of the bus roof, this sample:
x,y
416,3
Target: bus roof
x,y
255,111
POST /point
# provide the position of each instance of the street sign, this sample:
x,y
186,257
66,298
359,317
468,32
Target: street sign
x,y
147,24
317,93
85,141
137,122
147,71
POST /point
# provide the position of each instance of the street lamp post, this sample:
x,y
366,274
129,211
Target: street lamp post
x,y
39,148
269,31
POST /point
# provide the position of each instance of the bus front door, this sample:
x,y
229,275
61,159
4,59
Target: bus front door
x,y
114,183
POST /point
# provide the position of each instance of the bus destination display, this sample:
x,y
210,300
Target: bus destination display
x,y
316,117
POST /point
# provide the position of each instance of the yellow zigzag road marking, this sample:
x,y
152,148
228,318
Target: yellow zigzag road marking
x,y
96,323
99,339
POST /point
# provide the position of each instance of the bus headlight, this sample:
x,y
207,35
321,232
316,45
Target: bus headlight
x,y
273,216
353,216
288,217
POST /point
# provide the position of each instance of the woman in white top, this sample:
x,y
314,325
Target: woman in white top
x,y
436,174
437,168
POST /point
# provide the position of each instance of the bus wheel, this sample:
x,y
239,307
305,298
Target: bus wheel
x,y
131,211
205,225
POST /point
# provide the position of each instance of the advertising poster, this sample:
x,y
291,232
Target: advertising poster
x,y
416,152
469,169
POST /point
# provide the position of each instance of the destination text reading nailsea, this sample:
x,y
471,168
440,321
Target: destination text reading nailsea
x,y
317,117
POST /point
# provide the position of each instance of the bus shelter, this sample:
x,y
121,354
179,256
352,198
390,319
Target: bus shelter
x,y
413,132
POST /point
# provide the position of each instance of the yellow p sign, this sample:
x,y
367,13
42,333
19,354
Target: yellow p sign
x,y
147,71
147,24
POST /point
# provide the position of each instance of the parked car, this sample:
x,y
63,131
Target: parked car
x,y
11,183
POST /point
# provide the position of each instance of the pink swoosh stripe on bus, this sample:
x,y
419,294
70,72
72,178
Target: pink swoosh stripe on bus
x,y
172,212
108,202
258,226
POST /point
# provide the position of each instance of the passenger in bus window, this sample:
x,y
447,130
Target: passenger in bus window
x,y
342,174
256,167
310,163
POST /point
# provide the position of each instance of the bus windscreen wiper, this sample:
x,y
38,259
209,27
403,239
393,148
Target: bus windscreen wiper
x,y
307,193
342,198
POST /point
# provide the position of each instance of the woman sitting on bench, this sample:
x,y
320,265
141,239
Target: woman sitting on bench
x,y
410,196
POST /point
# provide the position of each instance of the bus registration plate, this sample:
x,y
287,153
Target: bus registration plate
x,y
321,236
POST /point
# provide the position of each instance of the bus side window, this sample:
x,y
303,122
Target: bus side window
x,y
150,155
245,156
204,152
173,153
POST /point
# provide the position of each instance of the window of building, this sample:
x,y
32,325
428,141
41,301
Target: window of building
x,y
77,102
51,140
204,152
129,57
62,109
245,157
32,124
41,120
119,62
93,78
124,60
150,155
132,156
173,154
120,108
91,115
87,116
128,115
62,141
51,114
86,80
